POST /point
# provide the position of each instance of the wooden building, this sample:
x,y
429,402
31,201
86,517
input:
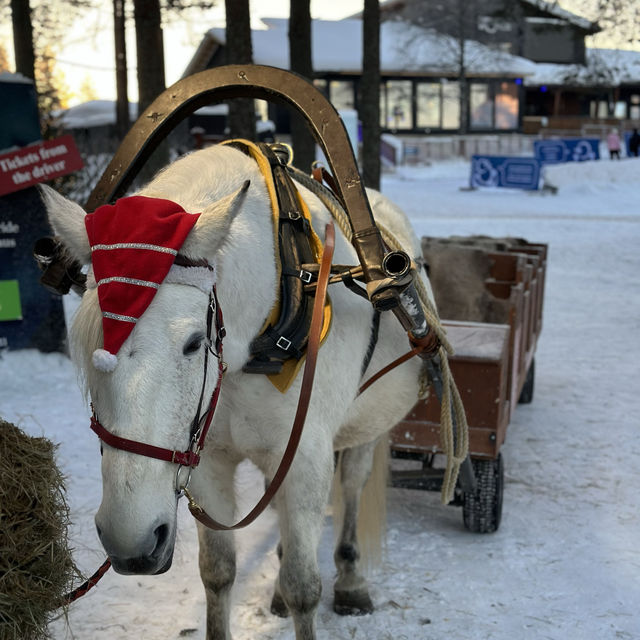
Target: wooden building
x,y
507,65
420,71
534,29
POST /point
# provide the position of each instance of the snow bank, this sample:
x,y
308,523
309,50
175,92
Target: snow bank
x,y
598,173
564,564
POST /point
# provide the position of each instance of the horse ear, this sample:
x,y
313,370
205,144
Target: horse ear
x,y
67,220
212,226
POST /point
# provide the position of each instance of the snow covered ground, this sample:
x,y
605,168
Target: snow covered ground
x,y
565,564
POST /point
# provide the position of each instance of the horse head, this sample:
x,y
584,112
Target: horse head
x,y
150,386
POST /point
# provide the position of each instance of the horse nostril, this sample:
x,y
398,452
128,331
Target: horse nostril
x,y
161,533
99,530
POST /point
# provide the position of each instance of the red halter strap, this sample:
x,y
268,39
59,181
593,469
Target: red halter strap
x,y
190,457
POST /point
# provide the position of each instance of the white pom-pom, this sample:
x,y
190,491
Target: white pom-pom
x,y
104,361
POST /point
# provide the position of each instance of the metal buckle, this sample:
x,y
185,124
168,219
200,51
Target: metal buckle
x,y
283,343
192,503
181,487
305,276
283,152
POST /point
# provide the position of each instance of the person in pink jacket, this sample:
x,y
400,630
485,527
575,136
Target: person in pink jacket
x,y
613,144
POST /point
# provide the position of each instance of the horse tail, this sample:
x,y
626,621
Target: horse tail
x,y
372,516
372,508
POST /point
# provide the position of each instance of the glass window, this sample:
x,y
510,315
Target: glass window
x,y
450,105
341,94
428,106
507,106
262,109
603,109
620,109
321,85
399,112
480,106
383,106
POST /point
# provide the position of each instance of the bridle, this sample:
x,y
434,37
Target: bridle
x,y
189,458
200,424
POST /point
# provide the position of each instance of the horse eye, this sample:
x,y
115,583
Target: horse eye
x,y
193,344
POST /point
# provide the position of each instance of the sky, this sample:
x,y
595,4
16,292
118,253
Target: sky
x,y
86,53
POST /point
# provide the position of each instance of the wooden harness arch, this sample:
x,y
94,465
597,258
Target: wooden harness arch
x,y
385,280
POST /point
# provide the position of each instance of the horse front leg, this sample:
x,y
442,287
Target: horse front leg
x,y
217,556
351,594
217,571
301,504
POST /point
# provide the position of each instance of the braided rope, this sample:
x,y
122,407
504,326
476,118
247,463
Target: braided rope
x,y
454,448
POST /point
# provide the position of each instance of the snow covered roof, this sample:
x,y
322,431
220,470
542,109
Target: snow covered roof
x,y
6,76
554,9
605,67
404,49
95,113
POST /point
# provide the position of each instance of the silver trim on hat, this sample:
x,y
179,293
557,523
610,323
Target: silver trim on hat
x,y
140,283
117,316
134,245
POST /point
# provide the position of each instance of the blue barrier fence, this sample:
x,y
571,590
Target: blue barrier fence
x,y
566,150
516,172
505,171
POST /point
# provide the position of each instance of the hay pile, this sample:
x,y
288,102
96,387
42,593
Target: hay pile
x,y
36,568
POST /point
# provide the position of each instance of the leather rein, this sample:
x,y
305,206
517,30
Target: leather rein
x,y
190,458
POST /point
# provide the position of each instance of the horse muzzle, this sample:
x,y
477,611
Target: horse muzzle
x,y
149,555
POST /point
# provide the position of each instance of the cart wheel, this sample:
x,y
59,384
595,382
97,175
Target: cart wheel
x,y
482,511
526,395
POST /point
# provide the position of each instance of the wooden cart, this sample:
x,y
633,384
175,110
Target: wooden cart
x,y
490,293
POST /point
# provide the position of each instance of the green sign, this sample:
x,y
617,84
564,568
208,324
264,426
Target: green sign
x,y
10,307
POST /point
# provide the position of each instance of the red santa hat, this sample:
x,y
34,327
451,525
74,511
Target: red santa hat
x,y
133,245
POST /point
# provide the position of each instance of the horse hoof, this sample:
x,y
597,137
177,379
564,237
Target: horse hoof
x,y
352,603
278,607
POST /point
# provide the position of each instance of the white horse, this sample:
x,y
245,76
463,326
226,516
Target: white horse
x,y
152,394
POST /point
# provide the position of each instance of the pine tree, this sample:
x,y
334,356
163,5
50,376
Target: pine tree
x,y
53,91
369,107
23,38
4,59
242,119
300,47
87,90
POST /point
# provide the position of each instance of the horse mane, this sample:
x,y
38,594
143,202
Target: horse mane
x,y
196,179
85,337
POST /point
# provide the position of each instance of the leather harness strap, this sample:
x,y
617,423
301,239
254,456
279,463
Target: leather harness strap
x,y
427,347
303,401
